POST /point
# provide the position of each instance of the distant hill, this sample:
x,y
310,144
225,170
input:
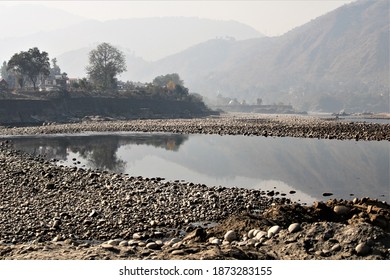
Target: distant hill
x,y
337,61
149,38
29,18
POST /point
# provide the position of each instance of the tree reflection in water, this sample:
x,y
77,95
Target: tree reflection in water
x,y
98,150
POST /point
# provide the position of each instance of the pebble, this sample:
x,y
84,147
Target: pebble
x,y
295,227
137,236
215,241
230,236
107,246
113,242
362,249
273,230
251,233
260,234
335,247
153,246
341,209
178,252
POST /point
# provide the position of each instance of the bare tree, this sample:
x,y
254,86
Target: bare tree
x,y
105,63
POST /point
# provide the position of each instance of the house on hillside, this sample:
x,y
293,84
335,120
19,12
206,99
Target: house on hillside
x,y
56,82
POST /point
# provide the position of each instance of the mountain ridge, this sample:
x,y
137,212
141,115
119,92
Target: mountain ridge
x,y
170,34
339,61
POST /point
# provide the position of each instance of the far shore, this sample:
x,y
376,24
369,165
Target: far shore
x,y
226,124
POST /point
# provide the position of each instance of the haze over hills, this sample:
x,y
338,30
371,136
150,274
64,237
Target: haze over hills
x,y
338,61
27,19
149,38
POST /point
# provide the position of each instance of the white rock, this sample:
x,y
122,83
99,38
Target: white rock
x,y
362,249
251,233
136,236
260,234
230,236
123,243
174,241
152,245
113,242
341,209
273,230
215,241
294,227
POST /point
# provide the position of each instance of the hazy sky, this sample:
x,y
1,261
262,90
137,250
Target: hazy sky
x,y
272,18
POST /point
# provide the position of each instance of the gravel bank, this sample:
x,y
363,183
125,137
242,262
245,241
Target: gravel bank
x,y
54,212
239,124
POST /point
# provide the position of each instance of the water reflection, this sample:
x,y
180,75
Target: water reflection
x,y
95,151
309,166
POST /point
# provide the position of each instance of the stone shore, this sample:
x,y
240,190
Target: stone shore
x,y
49,211
230,124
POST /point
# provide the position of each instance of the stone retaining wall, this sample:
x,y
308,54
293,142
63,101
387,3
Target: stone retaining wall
x,y
14,112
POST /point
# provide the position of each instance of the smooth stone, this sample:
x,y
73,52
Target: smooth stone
x,y
251,233
123,243
107,246
215,241
295,227
177,245
260,234
57,238
230,236
327,194
174,241
273,230
335,247
152,246
178,252
341,209
362,249
136,236
113,242
132,242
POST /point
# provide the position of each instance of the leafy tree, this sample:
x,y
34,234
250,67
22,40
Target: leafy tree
x,y
105,62
168,80
32,65
172,84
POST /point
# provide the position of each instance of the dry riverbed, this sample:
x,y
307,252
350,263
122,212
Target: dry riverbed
x,y
49,211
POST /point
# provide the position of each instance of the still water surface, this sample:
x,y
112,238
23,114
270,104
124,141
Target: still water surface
x,y
308,166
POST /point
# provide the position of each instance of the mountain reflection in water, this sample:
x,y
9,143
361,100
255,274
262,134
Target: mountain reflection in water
x,y
308,166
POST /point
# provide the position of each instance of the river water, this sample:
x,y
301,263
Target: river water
x,y
308,167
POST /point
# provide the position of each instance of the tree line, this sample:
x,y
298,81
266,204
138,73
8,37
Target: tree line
x,y
106,62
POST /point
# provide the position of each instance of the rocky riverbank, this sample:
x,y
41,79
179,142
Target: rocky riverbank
x,y
230,124
55,212
48,211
